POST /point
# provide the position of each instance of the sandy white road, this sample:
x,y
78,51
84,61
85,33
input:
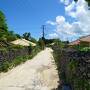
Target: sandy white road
x,y
37,74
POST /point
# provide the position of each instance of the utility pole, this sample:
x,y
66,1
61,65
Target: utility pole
x,y
43,31
43,36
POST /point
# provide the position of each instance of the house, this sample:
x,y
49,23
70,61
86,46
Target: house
x,y
23,42
85,40
73,43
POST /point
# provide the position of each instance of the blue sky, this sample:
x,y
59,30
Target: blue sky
x,y
28,15
64,19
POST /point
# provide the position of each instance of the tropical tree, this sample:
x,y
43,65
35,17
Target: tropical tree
x,y
17,35
5,35
41,43
11,36
3,26
33,40
27,35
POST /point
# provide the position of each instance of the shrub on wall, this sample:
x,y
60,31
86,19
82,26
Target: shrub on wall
x,y
19,59
72,68
4,66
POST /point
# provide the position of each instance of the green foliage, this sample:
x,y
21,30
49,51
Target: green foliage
x,y
3,25
11,36
79,82
41,43
18,61
82,48
58,43
3,49
36,50
33,40
16,47
69,72
17,35
4,66
72,66
27,35
30,47
6,35
85,49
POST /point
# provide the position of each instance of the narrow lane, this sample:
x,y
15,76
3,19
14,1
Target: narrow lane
x,y
37,74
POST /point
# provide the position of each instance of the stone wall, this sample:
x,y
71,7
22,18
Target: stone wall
x,y
11,54
83,59
63,57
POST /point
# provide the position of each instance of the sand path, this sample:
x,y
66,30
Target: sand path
x,y
37,74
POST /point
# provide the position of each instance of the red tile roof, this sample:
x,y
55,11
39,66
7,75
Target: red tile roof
x,y
76,42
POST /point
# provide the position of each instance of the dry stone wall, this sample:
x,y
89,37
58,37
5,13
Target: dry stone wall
x,y
11,54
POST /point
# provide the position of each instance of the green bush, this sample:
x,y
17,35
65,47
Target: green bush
x,y
81,48
3,49
86,49
79,82
17,61
70,74
16,47
72,65
5,66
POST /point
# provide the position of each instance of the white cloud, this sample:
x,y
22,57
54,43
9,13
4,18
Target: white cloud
x,y
70,9
60,20
63,29
53,35
77,9
66,2
81,26
82,14
51,22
